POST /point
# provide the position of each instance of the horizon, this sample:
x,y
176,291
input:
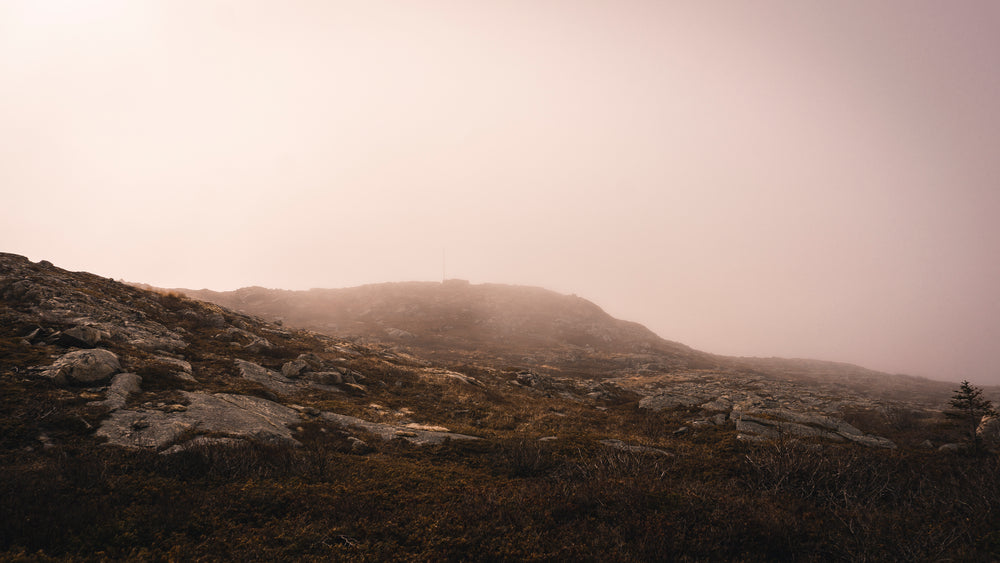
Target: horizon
x,y
767,180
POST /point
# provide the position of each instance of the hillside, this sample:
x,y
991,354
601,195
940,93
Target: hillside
x,y
147,425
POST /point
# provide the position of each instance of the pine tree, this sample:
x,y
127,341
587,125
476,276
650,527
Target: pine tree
x,y
968,407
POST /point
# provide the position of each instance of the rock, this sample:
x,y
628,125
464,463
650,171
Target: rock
x,y
123,385
358,445
270,379
769,423
720,404
871,441
548,438
390,431
294,368
184,370
314,362
454,375
154,343
84,366
427,427
950,448
748,427
80,337
202,442
620,445
323,377
235,416
989,431
258,345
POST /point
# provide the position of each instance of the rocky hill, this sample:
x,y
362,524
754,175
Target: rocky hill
x,y
455,320
137,424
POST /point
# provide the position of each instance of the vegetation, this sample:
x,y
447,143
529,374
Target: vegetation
x,y
968,407
508,497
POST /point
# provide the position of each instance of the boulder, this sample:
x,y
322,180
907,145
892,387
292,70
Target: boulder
x,y
79,337
84,366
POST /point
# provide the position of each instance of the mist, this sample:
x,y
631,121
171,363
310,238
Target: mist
x,y
759,179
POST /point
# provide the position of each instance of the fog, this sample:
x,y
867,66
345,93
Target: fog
x,y
772,178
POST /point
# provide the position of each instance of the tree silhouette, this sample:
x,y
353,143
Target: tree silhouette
x,y
968,407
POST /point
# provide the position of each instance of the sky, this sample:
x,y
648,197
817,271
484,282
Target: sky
x,y
754,178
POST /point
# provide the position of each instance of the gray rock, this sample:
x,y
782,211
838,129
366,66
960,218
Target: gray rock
x,y
270,379
358,445
537,381
669,401
294,368
620,445
153,342
80,336
871,441
123,385
258,345
950,448
315,362
203,442
84,366
233,416
749,427
323,377
184,370
718,419
391,431
720,404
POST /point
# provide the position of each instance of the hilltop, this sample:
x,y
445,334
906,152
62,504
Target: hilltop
x,y
139,424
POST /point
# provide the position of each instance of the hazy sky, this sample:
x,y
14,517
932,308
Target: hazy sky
x,y
801,179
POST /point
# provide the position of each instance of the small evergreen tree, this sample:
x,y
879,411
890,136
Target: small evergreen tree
x,y
968,407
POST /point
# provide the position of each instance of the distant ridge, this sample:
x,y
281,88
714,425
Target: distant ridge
x,y
456,315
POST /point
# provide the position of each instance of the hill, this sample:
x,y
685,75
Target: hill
x,y
537,329
147,425
454,319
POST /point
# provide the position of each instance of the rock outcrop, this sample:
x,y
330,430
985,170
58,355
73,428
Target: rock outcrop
x,y
228,415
